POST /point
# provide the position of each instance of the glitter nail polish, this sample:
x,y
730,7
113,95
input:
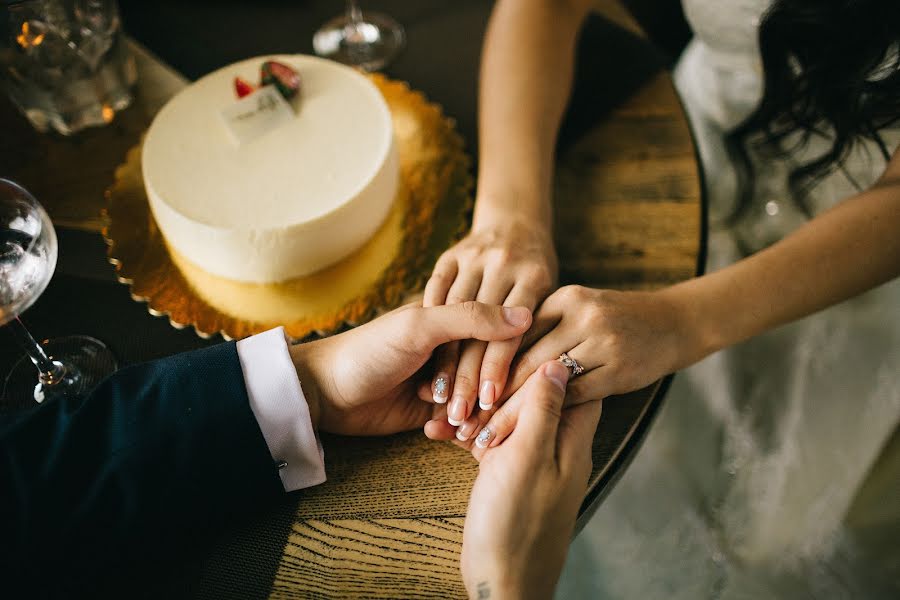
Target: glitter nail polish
x,y
441,389
484,438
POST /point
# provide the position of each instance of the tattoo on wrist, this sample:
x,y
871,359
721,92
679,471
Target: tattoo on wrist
x,y
484,591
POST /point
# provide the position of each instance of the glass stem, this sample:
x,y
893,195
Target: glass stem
x,y
50,371
354,14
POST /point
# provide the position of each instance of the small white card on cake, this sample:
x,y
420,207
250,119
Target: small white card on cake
x,y
255,115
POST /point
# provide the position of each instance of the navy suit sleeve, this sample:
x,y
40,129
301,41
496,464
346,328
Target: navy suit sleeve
x,y
158,452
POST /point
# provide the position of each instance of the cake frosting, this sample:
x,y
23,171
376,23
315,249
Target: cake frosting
x,y
287,203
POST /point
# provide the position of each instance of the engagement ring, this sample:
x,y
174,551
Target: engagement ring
x,y
571,363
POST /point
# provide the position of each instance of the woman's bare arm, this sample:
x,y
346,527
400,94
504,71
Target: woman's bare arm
x,y
526,78
843,252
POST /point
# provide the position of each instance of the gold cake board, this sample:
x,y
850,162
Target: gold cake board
x,y
430,213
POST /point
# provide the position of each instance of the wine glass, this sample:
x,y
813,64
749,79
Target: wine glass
x,y
67,366
361,39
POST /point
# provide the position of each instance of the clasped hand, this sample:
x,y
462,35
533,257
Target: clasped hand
x,y
508,262
623,340
365,381
370,381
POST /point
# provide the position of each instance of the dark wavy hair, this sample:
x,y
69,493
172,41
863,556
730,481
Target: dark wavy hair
x,y
831,69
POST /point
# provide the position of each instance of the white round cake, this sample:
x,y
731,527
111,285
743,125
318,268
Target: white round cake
x,y
287,199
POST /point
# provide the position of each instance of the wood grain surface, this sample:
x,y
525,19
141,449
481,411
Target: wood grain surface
x,y
377,558
388,523
628,197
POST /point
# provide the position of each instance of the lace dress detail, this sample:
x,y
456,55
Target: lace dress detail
x,y
743,486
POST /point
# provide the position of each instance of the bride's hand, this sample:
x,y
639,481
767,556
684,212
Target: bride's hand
x,y
623,340
509,262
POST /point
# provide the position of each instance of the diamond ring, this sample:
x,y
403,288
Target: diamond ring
x,y
571,363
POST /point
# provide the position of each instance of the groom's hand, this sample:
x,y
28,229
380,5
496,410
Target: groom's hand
x,y
523,506
363,382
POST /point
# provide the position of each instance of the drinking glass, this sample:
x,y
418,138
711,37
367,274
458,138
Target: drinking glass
x,y
65,63
366,40
67,366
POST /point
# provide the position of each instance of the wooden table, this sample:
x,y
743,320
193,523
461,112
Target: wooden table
x,y
389,521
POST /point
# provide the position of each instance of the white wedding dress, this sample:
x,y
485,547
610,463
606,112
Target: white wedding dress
x,y
773,469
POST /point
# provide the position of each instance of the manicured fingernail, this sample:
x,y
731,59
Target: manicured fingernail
x,y
465,431
484,438
456,412
441,389
516,316
486,396
557,373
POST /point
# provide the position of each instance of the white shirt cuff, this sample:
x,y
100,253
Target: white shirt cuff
x,y
277,401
